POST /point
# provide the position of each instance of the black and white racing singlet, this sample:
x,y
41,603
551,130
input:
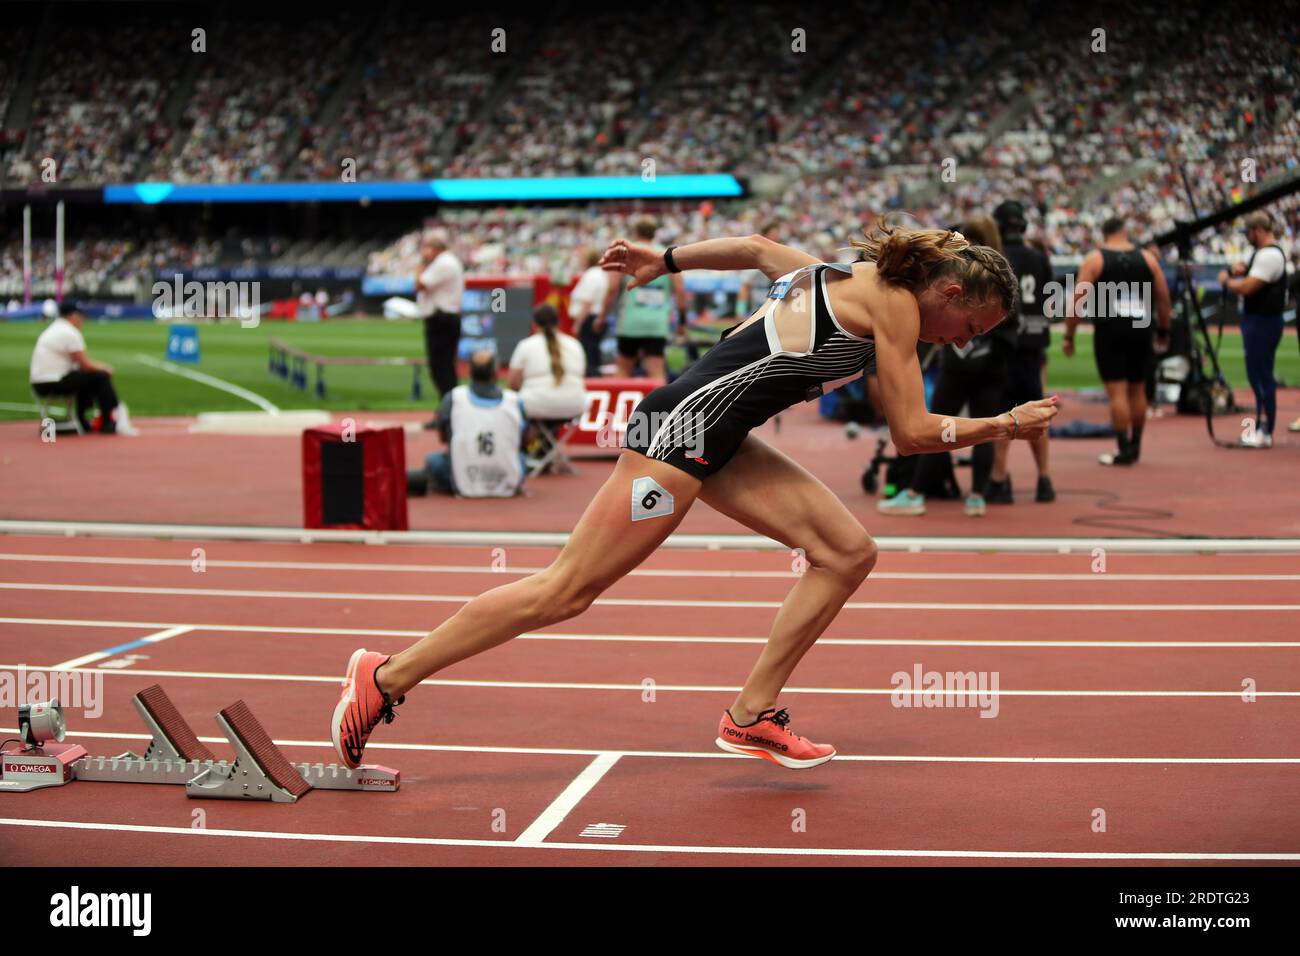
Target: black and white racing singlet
x,y
697,422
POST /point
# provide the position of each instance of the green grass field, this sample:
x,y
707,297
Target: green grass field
x,y
239,356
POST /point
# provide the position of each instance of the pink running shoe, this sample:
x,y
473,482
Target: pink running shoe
x,y
769,737
361,707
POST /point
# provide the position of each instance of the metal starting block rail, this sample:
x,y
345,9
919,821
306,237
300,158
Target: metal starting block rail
x,y
175,755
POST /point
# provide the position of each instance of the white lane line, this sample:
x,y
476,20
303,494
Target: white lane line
x,y
634,847
638,572
720,755
639,687
211,380
163,635
291,631
570,797
695,542
625,602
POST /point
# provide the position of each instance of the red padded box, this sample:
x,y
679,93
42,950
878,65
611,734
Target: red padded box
x,y
354,476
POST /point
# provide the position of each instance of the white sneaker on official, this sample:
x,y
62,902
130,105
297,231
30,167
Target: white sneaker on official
x,y
122,418
1257,440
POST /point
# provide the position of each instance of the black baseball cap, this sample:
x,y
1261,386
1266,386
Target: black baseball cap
x,y
69,308
1010,217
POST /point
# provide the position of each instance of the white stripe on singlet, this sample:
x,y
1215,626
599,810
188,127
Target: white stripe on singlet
x,y
838,358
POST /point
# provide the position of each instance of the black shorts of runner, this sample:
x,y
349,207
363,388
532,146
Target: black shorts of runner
x,y
1024,376
699,447
631,346
1123,353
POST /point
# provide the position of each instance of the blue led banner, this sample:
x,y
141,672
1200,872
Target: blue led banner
x,y
439,190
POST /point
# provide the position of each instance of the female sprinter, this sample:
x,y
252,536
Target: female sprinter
x,y
821,325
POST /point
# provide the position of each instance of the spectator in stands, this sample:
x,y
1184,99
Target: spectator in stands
x,y
60,366
645,315
586,305
482,426
439,290
1261,283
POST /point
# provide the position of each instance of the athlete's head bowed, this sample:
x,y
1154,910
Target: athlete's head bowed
x,y
963,289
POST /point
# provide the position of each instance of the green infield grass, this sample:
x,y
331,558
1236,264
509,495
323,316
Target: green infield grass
x,y
238,356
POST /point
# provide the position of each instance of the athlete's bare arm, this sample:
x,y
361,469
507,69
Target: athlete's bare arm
x,y
913,429
1089,272
679,293
645,264
1164,308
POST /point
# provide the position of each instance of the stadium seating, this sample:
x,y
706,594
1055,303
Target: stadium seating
x,y
853,123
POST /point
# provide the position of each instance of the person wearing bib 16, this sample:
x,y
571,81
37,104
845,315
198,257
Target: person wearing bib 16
x,y
645,317
823,324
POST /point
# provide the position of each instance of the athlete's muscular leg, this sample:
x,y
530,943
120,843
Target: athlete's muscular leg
x,y
655,368
766,491
605,545
1137,404
1117,394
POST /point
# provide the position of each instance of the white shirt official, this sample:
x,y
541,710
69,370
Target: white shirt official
x,y
1269,265
442,285
588,296
52,358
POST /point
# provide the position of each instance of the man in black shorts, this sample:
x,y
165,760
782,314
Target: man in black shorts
x,y
1025,363
1116,285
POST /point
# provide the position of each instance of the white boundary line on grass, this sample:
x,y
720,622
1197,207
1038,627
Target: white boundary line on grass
x,y
378,566
712,542
210,380
638,847
294,631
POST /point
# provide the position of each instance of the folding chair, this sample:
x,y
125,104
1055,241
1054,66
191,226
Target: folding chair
x,y
64,424
553,454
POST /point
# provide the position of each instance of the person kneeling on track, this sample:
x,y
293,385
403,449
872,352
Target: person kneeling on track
x,y
482,426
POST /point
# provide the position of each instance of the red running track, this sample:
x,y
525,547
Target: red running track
x,y
1118,696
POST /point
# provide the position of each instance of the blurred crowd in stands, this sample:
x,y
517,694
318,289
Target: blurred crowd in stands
x,y
1080,113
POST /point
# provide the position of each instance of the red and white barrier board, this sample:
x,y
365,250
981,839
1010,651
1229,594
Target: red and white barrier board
x,y
610,402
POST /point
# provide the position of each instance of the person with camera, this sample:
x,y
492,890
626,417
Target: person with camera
x,y
1261,283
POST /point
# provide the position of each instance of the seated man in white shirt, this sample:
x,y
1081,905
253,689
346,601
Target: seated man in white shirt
x,y
60,366
482,426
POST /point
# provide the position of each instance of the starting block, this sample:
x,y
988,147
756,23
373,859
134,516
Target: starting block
x,y
175,755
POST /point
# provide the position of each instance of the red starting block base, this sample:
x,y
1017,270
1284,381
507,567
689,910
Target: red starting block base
x,y
24,768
